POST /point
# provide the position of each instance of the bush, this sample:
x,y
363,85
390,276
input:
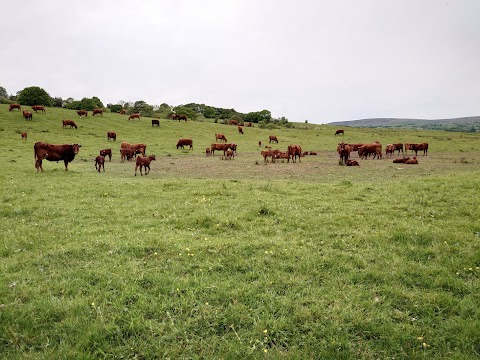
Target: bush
x,y
34,95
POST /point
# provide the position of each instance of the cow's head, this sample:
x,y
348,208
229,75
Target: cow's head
x,y
76,148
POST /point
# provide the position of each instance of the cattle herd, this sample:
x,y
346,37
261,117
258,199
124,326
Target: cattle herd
x,y
129,152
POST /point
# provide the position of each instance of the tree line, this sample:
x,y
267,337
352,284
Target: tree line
x,y
35,95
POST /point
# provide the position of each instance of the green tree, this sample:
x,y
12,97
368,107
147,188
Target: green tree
x,y
189,113
259,116
57,102
115,108
143,108
34,95
3,92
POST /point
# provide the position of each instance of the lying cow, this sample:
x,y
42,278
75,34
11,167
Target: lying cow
x,y
99,162
412,161
105,153
352,163
54,153
143,162
401,160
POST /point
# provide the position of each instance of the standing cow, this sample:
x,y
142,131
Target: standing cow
x,y
56,153
99,163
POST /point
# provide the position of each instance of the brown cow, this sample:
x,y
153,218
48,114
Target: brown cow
x,y
126,153
398,147
105,153
54,153
185,142
272,138
14,106
340,131
389,149
144,161
125,145
282,155
82,112
240,130
155,122
100,161
343,151
215,146
182,117
39,108
248,124
259,144
220,137
412,161
293,152
208,152
70,123
97,111
233,122
139,149
269,153
27,115
229,155
420,147
122,112
24,135
134,116
401,160
352,163
354,147
367,149
112,135
408,147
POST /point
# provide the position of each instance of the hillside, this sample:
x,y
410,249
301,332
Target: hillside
x,y
466,124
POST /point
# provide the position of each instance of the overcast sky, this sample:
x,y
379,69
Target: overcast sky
x,y
315,60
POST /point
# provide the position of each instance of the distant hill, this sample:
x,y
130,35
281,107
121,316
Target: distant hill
x,y
465,124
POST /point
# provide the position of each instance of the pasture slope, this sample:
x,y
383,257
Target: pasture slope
x,y
208,258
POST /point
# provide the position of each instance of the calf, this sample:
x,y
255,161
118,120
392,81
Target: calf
x,y
24,135
240,130
143,162
126,153
208,152
229,155
340,131
220,137
412,161
352,163
111,135
259,144
155,122
99,162
105,153
27,115
272,138
389,149
70,123
401,160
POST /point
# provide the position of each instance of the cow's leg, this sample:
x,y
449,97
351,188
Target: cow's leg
x,y
136,170
66,165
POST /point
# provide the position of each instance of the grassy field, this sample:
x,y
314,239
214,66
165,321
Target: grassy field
x,y
207,258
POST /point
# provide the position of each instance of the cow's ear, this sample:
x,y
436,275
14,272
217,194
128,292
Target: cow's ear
x,y
79,145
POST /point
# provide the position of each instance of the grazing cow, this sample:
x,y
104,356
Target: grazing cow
x,y
208,152
340,131
181,117
229,155
367,149
39,108
126,153
272,138
269,153
240,130
248,124
27,115
398,147
155,122
97,111
401,160
139,149
54,153
420,147
82,112
233,122
389,149
70,123
100,161
352,163
412,161
220,137
105,153
134,116
343,151
122,112
24,135
112,135
144,161
408,147
14,106
293,152
185,142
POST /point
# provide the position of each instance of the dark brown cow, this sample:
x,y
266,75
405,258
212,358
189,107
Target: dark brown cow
x,y
248,124
100,161
259,144
144,161
185,142
97,111
398,147
220,137
39,108
208,152
343,150
293,152
105,153
173,116
54,153
27,115
420,147
389,149
340,131
412,161
126,153
155,122
122,112
367,149
233,122
240,130
82,113
14,106
272,138
182,117
401,160
352,163
24,135
134,116
112,135
70,123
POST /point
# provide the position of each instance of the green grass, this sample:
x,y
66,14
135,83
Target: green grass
x,y
205,258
